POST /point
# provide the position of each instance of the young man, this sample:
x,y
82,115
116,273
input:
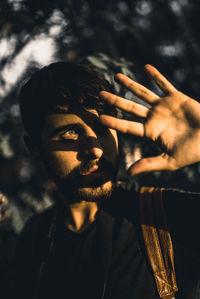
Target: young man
x,y
90,244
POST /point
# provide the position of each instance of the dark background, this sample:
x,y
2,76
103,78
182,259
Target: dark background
x,y
113,35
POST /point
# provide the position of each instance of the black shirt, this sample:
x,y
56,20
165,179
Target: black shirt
x,y
108,259
74,269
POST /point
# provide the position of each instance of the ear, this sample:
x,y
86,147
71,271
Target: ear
x,y
31,146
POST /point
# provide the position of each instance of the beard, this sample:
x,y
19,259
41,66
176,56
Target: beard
x,y
75,188
88,194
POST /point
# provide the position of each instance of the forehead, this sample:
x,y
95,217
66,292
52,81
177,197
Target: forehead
x,y
63,118
64,115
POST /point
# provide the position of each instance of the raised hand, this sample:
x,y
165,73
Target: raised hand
x,y
172,122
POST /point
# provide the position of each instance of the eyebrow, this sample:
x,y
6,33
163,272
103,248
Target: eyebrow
x,y
59,110
59,129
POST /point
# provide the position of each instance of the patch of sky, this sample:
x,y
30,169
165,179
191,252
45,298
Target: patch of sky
x,y
142,23
41,50
177,5
180,75
16,4
14,110
171,49
5,147
7,46
123,7
143,7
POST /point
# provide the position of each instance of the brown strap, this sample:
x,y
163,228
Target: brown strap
x,y
157,240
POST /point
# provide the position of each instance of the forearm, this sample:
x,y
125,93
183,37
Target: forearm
x,y
182,210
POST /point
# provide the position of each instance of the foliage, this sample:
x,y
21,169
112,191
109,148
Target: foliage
x,y
114,36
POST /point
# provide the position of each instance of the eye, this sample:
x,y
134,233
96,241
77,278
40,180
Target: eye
x,y
70,134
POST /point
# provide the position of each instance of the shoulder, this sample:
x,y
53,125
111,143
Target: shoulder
x,y
124,200
33,237
38,220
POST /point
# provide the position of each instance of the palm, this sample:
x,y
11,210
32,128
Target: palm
x,y
173,123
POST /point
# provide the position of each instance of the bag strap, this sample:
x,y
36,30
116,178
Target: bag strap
x,y
157,240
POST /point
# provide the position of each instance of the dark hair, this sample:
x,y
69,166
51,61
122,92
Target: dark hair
x,y
61,83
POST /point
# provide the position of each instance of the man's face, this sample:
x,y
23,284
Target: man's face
x,y
80,154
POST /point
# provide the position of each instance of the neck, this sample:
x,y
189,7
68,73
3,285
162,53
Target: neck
x,y
80,215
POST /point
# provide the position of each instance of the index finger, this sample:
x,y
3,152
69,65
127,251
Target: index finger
x,y
122,125
159,79
138,89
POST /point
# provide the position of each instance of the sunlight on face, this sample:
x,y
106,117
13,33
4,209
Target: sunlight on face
x,y
80,154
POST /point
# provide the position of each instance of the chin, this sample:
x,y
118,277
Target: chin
x,y
95,194
89,193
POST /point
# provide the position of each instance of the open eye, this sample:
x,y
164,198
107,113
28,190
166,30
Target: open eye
x,y
70,134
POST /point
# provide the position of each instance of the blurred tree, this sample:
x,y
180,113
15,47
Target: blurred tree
x,y
34,33
127,34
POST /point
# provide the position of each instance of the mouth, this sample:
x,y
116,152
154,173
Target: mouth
x,y
96,175
92,171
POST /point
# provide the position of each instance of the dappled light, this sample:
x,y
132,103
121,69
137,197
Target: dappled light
x,y
139,32
113,36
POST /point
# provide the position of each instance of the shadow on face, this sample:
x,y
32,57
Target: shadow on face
x,y
86,134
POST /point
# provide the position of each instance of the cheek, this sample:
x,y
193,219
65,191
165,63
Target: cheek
x,y
64,162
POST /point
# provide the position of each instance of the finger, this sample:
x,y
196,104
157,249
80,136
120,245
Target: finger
x,y
159,79
158,163
123,104
138,89
122,125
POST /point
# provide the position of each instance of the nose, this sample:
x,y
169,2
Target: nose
x,y
92,148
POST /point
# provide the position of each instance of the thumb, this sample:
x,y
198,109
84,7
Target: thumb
x,y
158,163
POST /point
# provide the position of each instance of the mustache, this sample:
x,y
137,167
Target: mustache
x,y
84,167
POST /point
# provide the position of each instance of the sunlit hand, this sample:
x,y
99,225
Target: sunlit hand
x,y
172,122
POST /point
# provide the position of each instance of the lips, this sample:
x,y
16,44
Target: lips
x,y
91,170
